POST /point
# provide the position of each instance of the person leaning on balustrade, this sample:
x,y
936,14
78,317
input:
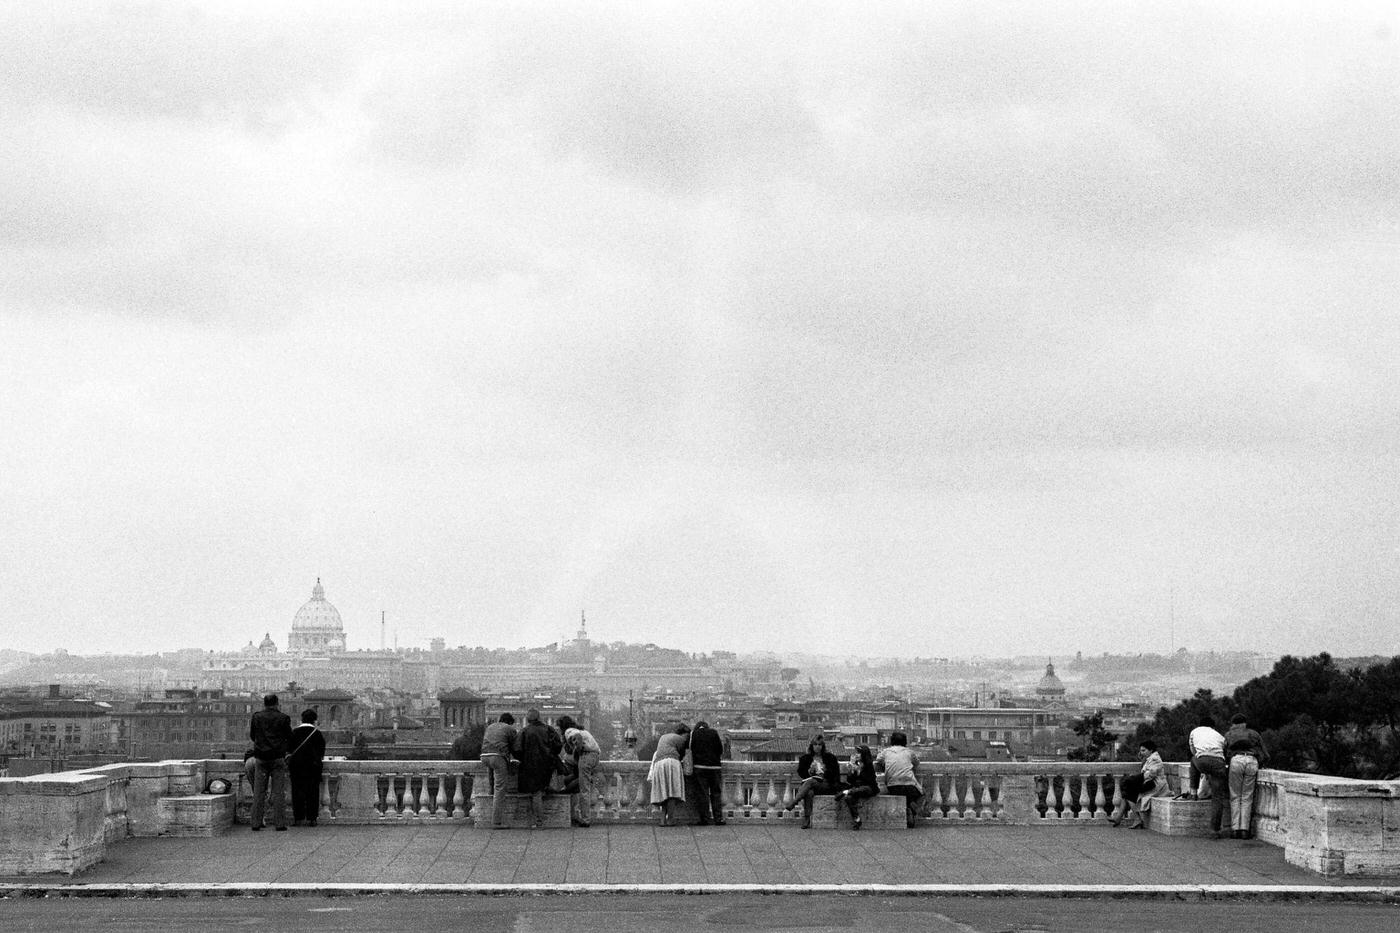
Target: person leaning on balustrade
x,y
585,751
820,773
706,754
666,776
499,746
1208,765
540,746
1247,753
863,783
900,766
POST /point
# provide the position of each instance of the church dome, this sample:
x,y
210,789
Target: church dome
x,y
317,615
1050,684
316,628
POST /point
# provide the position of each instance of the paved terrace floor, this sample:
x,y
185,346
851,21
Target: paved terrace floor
x,y
767,855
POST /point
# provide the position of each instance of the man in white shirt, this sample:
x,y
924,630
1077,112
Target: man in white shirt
x,y
1208,759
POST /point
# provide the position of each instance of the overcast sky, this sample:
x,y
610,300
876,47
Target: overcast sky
x,y
936,329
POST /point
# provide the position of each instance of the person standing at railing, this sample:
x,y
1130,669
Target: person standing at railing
x,y
540,746
864,784
1208,760
271,732
706,754
499,745
666,776
580,744
304,769
820,773
901,766
1247,753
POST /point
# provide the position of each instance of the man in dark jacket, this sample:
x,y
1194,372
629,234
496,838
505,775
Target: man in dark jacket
x,y
271,732
540,746
706,752
304,769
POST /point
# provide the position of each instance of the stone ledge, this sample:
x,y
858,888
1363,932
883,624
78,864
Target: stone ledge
x,y
556,811
1172,817
878,812
196,815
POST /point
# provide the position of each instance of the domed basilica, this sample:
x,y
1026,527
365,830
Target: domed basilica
x,y
316,628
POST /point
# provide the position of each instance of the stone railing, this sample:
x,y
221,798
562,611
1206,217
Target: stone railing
x,y
64,822
360,792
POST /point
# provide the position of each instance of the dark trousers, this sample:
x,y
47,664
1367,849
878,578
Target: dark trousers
x,y
709,795
912,795
854,795
306,795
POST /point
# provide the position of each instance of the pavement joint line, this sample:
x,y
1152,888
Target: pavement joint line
x,y
1193,892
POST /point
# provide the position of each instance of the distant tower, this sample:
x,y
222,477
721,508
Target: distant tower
x,y
316,628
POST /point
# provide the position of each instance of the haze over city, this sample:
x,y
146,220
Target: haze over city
x,y
939,330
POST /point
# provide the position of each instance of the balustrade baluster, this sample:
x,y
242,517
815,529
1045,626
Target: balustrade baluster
x,y
1086,812
935,797
441,811
1052,804
969,799
425,800
771,801
729,794
787,800
1118,805
324,797
1099,812
641,803
459,798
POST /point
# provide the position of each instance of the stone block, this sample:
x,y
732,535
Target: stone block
x,y
52,823
195,815
1172,817
556,810
879,812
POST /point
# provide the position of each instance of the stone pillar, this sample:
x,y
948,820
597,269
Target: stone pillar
x,y
1339,827
1018,798
52,823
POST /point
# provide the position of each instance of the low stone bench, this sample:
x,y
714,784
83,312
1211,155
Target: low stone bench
x,y
195,815
556,811
883,811
1171,816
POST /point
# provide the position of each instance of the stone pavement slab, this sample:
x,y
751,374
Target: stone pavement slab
x,y
710,855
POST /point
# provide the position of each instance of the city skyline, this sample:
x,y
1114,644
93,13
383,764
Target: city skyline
x,y
969,330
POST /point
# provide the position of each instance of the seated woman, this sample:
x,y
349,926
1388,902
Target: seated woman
x,y
820,773
1138,788
863,783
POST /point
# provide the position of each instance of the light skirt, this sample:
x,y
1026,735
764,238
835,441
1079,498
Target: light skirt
x,y
667,780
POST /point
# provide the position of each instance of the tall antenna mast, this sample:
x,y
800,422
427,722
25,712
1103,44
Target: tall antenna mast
x,y
381,630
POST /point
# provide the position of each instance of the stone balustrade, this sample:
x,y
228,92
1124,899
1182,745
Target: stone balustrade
x,y
64,822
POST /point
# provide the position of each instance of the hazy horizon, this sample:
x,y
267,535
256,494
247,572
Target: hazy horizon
x,y
949,329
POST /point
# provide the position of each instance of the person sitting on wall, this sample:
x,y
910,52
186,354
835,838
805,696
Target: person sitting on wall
x,y
900,766
820,773
863,783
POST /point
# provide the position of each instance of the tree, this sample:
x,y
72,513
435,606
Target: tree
x,y
467,747
1093,736
360,751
